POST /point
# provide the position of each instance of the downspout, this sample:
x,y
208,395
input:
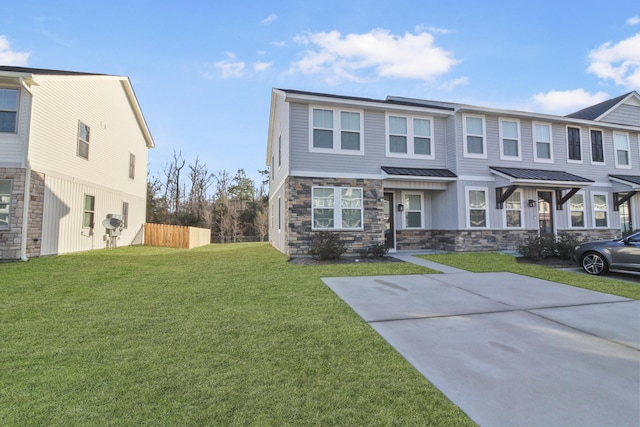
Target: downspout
x,y
27,182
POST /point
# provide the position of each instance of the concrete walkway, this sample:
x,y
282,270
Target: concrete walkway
x,y
508,349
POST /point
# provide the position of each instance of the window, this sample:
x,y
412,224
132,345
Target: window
x,y
513,210
597,149
510,138
576,210
336,208
271,169
8,110
477,208
125,215
5,203
413,210
621,146
600,210
132,166
543,150
474,139
409,137
338,131
573,144
83,140
89,211
279,213
279,150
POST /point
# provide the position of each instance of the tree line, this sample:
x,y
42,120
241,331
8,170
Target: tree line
x,y
233,207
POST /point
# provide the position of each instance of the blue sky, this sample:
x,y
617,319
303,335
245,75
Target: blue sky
x,y
203,70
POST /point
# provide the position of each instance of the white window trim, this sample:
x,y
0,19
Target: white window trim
x,y
584,211
410,137
535,143
484,136
8,207
468,208
593,210
404,213
502,155
337,128
604,154
84,210
337,210
279,214
615,150
17,110
504,214
581,148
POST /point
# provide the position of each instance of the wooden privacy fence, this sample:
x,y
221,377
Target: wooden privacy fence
x,y
176,236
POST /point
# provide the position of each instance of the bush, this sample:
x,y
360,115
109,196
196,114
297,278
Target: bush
x,y
326,245
538,247
378,250
565,244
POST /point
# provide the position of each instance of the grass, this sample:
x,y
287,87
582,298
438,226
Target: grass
x,y
490,262
219,335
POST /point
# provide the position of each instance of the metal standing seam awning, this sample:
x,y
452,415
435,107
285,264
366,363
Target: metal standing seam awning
x,y
435,179
629,180
518,177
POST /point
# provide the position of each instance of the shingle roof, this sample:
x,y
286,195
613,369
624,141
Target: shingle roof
x,y
628,178
595,111
539,174
433,173
45,71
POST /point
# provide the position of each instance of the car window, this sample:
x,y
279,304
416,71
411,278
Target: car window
x,y
634,239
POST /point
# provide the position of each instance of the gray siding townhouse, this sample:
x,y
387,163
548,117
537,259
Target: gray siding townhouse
x,y
418,174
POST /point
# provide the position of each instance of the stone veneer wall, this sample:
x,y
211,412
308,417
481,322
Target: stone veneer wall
x,y
11,238
298,214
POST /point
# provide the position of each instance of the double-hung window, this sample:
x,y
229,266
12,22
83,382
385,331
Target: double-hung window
x,y
576,210
84,133
597,148
5,202
475,141
413,210
543,145
409,137
574,151
513,210
338,131
125,214
621,147
477,216
600,216
510,139
89,211
8,110
132,166
337,208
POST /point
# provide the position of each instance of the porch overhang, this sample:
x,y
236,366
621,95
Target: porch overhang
x,y
631,185
521,177
417,178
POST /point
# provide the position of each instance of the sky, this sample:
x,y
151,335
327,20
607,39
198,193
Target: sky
x,y
203,71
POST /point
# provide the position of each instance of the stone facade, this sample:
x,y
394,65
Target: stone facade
x,y
11,238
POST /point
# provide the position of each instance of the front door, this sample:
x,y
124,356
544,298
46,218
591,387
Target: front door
x,y
545,212
625,218
389,226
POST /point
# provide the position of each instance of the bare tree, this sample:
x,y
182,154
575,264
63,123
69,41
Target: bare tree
x,y
200,181
172,187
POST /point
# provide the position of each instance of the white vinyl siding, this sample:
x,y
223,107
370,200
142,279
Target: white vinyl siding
x,y
510,147
410,137
622,152
542,142
475,140
336,131
5,203
336,208
513,210
413,211
576,211
600,210
9,110
476,207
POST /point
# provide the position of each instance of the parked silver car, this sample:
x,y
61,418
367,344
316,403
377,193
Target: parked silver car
x,y
601,256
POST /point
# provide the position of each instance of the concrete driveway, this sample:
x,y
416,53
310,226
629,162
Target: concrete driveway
x,y
511,350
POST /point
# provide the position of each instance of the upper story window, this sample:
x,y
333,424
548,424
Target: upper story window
x,y
336,208
543,145
8,110
510,139
597,148
621,147
132,166
409,137
475,142
574,144
337,131
5,202
84,134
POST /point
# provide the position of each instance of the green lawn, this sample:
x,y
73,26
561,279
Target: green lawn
x,y
487,262
219,335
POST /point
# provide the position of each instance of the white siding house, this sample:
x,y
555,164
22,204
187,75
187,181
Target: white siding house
x,y
73,149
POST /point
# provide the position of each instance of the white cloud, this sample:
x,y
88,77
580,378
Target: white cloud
x,y
269,19
633,21
9,57
567,101
461,81
230,67
261,66
410,56
279,44
432,30
619,62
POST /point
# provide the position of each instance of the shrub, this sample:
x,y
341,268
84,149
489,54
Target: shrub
x,y
565,244
538,247
326,245
378,250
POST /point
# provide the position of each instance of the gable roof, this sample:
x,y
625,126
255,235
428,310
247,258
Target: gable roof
x,y
43,71
632,180
596,111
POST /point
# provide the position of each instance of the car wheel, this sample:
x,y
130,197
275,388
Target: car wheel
x,y
594,263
